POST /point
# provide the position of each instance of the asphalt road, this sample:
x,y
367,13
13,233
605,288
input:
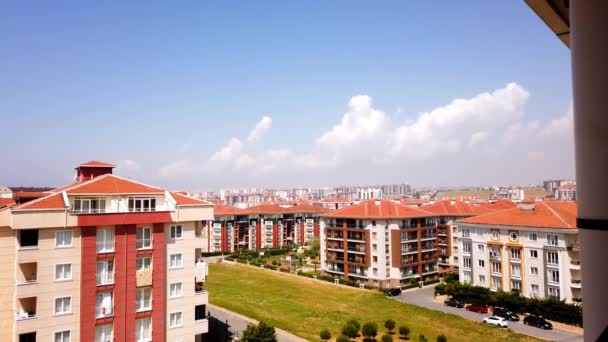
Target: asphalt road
x,y
424,297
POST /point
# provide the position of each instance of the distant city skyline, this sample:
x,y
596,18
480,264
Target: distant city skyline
x,y
276,94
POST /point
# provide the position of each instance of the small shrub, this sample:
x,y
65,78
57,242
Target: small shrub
x,y
369,330
354,323
387,338
343,338
274,262
389,325
404,331
271,267
442,338
325,334
350,330
422,338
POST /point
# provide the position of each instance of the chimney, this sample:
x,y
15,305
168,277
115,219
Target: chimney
x,y
89,170
526,205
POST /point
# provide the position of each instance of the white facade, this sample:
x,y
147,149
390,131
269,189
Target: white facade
x,y
540,262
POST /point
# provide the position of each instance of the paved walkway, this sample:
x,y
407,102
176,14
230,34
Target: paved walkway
x,y
238,323
424,297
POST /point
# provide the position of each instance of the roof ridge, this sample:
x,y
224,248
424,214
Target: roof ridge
x,y
556,214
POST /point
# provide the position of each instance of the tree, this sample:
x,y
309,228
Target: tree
x,y
387,338
442,338
389,325
260,333
355,323
369,330
325,334
343,338
422,338
404,331
350,330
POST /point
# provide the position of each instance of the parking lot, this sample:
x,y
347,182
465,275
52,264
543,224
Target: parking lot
x,y
424,297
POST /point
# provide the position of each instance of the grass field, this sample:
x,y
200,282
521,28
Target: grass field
x,y
457,194
303,306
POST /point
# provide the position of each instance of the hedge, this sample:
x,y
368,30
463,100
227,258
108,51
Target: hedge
x,y
548,308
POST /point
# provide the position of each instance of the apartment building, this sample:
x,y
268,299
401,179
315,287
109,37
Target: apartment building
x,y
532,248
103,259
551,185
379,242
566,192
447,233
263,226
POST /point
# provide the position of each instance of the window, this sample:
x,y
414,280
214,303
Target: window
x,y
175,290
375,271
513,236
495,235
175,261
534,289
144,263
495,283
481,248
466,277
63,305
28,238
552,239
103,333
176,232
373,223
143,298
553,292
143,330
62,336
515,270
533,254
515,285
496,267
532,237
374,235
142,204
515,253
89,205
553,276
105,240
374,247
63,272
482,279
466,248
481,263
375,259
63,238
465,232
144,238
199,312
466,262
103,304
175,319
105,272
534,271
552,258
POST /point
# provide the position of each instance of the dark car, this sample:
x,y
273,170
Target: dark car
x,y
477,308
506,314
393,292
454,303
538,322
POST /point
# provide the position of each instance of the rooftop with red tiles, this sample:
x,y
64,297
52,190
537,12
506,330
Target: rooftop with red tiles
x,y
548,214
378,209
455,208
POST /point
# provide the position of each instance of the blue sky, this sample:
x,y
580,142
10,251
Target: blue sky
x,y
160,88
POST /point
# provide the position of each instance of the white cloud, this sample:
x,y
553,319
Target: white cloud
x,y
259,130
178,168
127,165
227,153
560,126
478,138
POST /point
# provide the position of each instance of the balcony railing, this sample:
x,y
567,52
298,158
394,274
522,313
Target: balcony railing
x,y
573,247
22,316
355,249
104,311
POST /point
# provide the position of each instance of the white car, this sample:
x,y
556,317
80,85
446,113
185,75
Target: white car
x,y
495,320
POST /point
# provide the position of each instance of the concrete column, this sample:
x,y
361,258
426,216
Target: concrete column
x,y
589,37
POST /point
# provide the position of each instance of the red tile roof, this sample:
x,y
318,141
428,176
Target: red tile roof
x,y
265,208
186,200
54,201
455,208
500,204
305,209
227,210
95,163
378,209
111,184
549,214
6,201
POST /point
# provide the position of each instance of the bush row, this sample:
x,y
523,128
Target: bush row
x,y
548,308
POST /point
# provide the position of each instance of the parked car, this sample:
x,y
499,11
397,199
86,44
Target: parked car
x,y
538,322
477,308
495,320
454,303
506,314
393,292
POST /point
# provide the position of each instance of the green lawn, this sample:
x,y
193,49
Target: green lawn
x,y
303,306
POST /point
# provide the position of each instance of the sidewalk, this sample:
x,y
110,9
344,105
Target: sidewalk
x,y
239,322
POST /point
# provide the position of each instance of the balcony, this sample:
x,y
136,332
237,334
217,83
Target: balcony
x,y
575,283
104,311
577,299
356,250
442,234
28,239
575,264
28,273
358,275
574,246
26,308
